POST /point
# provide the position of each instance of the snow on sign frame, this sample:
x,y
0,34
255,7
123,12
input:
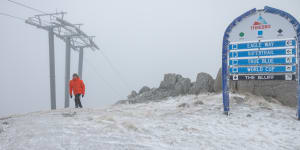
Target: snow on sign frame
x,y
261,45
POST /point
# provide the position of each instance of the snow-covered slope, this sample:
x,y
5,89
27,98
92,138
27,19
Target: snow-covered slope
x,y
254,124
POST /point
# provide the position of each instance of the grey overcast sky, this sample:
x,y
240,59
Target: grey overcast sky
x,y
144,39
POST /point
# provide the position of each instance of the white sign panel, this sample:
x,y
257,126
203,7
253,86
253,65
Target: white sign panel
x,y
262,26
260,42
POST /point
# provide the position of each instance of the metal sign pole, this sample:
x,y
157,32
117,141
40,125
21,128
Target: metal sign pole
x,y
224,78
298,90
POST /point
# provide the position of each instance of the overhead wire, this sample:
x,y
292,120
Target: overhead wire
x,y
29,7
11,16
102,78
114,69
26,6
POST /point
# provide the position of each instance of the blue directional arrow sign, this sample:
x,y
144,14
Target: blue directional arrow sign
x,y
262,69
253,53
264,44
263,61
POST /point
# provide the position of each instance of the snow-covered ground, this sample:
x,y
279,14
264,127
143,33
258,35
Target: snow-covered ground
x,y
253,124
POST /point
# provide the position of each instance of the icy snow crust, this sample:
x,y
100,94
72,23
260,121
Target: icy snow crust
x,y
253,124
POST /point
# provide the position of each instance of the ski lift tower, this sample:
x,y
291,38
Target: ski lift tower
x,y
79,40
74,38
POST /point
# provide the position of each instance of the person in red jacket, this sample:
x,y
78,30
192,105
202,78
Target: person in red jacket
x,y
77,86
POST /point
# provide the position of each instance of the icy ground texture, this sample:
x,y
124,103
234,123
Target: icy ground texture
x,y
254,124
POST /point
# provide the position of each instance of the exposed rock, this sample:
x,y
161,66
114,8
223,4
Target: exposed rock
x,y
218,82
152,95
172,85
271,100
198,103
122,102
69,114
169,81
265,106
238,100
144,89
284,91
132,95
203,84
5,118
194,90
185,105
182,86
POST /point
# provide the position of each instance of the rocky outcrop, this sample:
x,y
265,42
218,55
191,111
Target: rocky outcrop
x,y
144,89
132,95
172,85
218,82
284,91
204,83
169,81
182,86
154,94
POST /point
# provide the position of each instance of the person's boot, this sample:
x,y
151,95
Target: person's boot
x,y
79,103
76,102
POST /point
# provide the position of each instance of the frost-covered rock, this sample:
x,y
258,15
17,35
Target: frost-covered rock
x,y
154,94
218,82
169,81
183,86
1,129
132,95
144,89
199,102
284,91
122,102
203,84
184,105
172,85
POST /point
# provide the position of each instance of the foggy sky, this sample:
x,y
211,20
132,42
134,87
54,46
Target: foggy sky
x,y
144,39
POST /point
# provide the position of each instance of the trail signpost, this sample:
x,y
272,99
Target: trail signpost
x,y
261,45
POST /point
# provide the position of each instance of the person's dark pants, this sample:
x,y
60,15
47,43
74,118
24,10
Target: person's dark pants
x,y
77,101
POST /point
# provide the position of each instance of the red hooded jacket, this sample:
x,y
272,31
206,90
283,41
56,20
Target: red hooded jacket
x,y
77,86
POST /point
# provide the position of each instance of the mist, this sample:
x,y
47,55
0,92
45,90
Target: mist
x,y
140,40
